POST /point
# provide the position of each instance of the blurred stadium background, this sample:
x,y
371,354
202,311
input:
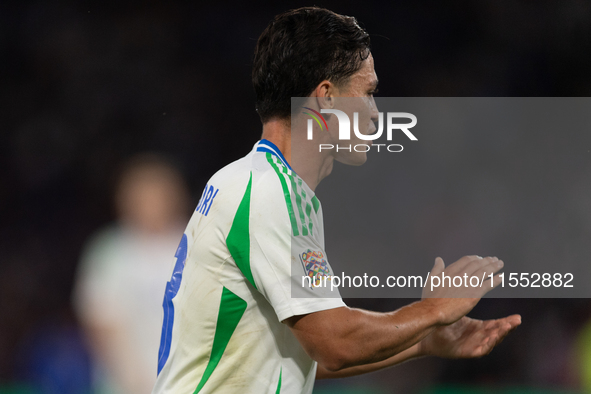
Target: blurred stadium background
x,y
86,86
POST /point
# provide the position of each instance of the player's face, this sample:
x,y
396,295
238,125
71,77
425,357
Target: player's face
x,y
359,98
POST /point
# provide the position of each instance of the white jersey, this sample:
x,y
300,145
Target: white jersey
x,y
231,285
119,286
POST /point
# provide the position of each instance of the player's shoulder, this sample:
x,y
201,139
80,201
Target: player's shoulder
x,y
262,168
262,173
272,168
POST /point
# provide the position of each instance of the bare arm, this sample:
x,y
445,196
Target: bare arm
x,y
465,338
405,355
345,337
348,341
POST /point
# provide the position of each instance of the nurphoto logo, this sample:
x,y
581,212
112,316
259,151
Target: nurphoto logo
x,y
345,129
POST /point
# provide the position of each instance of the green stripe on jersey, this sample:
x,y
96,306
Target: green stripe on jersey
x,y
308,206
316,204
231,310
238,239
286,195
298,199
308,211
278,391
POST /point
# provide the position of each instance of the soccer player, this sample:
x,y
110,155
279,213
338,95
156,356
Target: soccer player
x,y
231,324
118,308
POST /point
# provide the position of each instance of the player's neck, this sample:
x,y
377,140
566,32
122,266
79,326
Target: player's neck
x,y
279,133
312,168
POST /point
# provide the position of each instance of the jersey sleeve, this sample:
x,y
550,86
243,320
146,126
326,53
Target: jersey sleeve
x,y
285,259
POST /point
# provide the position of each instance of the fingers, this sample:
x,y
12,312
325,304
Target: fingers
x,y
459,265
488,344
438,267
514,320
498,338
476,266
469,278
510,321
489,284
467,265
499,330
480,266
506,324
492,266
487,264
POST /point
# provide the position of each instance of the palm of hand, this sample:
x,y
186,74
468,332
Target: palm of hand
x,y
468,337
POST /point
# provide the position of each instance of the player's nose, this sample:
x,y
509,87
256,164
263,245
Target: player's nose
x,y
374,110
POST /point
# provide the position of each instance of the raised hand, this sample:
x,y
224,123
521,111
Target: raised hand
x,y
453,302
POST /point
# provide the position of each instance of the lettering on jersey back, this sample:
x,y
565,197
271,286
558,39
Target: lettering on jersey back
x,y
206,199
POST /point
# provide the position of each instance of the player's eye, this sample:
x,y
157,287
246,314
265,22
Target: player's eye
x,y
375,91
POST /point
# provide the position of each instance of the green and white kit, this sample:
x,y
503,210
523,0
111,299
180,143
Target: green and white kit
x,y
231,286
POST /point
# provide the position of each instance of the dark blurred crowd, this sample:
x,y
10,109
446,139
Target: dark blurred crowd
x,y
84,87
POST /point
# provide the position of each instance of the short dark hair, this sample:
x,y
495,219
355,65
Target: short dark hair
x,y
298,50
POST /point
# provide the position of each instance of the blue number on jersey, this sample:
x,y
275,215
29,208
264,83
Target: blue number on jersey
x,y
172,288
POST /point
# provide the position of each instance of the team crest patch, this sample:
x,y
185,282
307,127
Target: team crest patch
x,y
315,266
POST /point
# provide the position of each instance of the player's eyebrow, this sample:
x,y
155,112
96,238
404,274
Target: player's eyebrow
x,y
374,84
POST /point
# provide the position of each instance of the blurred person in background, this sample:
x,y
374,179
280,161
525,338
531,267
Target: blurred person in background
x,y
123,273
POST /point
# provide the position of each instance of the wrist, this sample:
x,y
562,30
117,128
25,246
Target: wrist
x,y
435,311
422,349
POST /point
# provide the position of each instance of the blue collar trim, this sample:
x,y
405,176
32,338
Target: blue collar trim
x,y
267,146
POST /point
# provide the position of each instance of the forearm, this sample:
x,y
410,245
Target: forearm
x,y
349,341
376,337
344,337
408,354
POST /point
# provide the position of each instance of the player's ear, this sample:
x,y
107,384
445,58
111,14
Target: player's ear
x,y
325,93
